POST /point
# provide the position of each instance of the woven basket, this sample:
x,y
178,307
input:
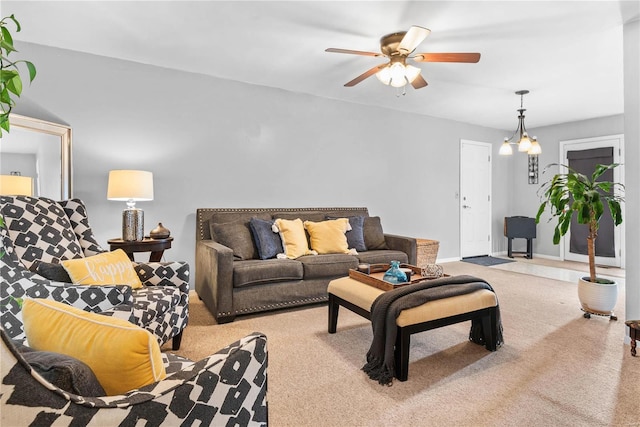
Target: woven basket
x,y
426,251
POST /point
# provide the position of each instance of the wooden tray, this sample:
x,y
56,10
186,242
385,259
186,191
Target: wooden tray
x,y
376,272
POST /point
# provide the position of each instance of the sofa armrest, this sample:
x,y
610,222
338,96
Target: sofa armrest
x,y
404,244
174,273
226,388
111,300
214,278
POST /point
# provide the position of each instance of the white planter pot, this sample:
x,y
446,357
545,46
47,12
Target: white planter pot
x,y
597,298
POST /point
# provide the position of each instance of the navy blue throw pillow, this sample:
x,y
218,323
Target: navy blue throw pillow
x,y
267,241
355,236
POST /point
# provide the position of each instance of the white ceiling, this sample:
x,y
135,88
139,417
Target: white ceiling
x,y
568,54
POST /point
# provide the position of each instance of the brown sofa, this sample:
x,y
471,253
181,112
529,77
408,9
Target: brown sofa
x,y
232,280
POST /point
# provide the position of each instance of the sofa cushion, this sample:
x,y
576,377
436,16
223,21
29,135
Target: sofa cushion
x,y
268,242
123,356
329,265
373,234
384,256
39,229
294,238
355,236
109,268
328,237
235,235
65,372
257,272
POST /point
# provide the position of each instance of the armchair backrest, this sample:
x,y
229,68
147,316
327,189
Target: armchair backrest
x,y
41,229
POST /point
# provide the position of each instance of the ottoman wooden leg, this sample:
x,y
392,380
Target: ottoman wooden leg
x,y
401,354
333,314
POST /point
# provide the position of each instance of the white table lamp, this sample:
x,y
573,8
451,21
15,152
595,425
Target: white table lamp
x,y
131,186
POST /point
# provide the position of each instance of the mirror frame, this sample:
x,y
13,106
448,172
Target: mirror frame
x,y
61,131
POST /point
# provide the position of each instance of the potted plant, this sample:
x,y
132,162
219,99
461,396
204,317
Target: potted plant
x,y
10,80
572,193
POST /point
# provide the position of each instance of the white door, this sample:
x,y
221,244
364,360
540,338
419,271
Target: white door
x,y
617,143
475,198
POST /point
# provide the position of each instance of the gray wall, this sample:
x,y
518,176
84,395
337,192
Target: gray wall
x,y
526,199
219,143
632,144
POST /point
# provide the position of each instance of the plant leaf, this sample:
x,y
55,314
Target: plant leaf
x,y
15,85
6,35
32,70
4,122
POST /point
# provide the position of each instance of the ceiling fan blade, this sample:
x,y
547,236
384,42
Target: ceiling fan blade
x,y
352,52
419,82
365,75
413,38
447,57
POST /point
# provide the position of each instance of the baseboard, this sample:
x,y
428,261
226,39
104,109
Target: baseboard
x,y
445,260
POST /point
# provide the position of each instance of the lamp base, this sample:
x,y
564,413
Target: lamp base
x,y
132,224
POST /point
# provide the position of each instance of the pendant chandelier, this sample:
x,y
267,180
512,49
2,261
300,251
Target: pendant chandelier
x,y
524,142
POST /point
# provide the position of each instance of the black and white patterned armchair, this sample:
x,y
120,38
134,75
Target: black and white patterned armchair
x,y
43,230
227,388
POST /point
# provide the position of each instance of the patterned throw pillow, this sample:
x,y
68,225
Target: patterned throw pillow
x,y
122,356
268,242
109,268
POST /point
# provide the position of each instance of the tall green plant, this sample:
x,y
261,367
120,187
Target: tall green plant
x,y
10,80
572,193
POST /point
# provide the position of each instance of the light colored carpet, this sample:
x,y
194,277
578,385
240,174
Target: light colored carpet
x,y
555,369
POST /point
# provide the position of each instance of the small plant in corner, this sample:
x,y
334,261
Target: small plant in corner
x,y
10,80
572,193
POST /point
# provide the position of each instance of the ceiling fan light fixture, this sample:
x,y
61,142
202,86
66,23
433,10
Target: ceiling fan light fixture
x,y
411,73
384,75
398,74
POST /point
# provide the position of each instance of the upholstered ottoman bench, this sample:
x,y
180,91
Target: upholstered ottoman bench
x,y
358,297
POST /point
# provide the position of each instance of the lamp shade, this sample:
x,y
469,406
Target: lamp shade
x,y
16,185
130,185
535,147
505,149
525,143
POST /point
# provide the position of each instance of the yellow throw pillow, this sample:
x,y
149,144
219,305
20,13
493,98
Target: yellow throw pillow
x,y
123,356
294,239
109,268
328,237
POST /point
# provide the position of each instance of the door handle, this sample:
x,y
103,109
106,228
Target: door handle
x,y
466,207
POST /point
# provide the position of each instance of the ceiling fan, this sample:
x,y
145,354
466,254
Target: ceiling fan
x,y
397,47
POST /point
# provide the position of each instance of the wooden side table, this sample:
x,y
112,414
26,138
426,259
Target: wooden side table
x,y
155,246
634,333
